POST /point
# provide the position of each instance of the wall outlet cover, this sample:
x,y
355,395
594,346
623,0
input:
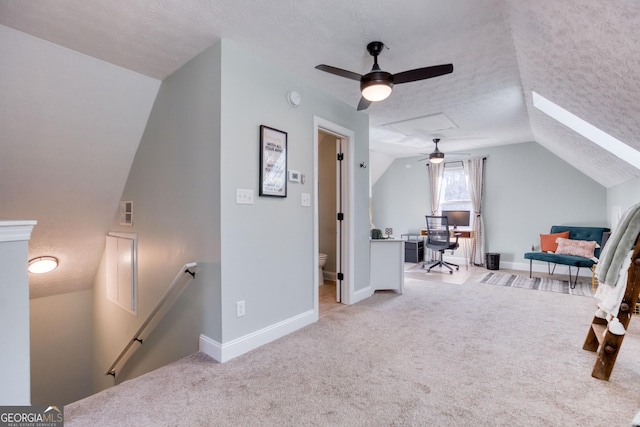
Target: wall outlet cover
x,y
244,196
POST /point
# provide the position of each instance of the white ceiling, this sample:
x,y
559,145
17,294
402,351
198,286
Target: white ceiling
x,y
581,54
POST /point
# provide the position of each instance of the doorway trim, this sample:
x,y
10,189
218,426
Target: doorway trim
x,y
348,136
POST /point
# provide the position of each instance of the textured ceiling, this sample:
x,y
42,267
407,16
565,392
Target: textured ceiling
x,y
584,55
483,96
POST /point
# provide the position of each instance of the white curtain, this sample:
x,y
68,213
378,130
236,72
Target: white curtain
x,y
474,171
436,174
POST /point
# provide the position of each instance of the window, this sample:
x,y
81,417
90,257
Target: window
x,y
455,194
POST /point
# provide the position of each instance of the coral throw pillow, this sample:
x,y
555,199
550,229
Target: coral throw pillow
x,y
583,248
548,241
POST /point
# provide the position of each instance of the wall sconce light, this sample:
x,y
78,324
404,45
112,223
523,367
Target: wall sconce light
x,y
43,264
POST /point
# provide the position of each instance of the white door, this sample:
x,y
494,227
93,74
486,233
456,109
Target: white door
x,y
339,217
345,259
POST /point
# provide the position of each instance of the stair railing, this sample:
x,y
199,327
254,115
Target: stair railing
x,y
166,302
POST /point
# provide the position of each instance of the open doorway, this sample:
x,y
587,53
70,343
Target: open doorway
x,y
329,227
333,239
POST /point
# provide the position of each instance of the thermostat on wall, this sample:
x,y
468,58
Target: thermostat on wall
x,y
294,176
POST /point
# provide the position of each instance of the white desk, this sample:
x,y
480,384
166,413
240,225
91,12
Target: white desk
x,y
387,264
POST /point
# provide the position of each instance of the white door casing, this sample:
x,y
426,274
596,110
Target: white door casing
x,y
347,256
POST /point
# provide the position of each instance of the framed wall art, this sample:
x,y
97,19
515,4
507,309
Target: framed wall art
x,y
273,162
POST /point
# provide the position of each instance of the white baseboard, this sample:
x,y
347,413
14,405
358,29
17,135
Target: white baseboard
x,y
361,294
330,275
234,348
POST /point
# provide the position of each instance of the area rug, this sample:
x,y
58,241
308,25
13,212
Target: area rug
x,y
537,283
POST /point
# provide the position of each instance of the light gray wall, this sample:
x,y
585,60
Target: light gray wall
x,y
401,197
174,184
623,196
14,323
268,251
200,145
527,190
61,345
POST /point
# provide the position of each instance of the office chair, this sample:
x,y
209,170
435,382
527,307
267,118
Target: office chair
x,y
439,239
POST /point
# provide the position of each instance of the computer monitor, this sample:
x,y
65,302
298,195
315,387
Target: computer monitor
x,y
458,218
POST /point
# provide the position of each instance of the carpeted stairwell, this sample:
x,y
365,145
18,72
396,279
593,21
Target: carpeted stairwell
x,y
440,354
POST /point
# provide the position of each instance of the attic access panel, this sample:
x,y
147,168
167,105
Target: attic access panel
x,y
423,125
122,282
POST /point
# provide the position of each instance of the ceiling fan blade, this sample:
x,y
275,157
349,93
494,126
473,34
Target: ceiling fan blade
x,y
422,73
363,104
339,72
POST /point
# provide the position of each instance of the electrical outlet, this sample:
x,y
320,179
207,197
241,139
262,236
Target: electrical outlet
x,y
240,308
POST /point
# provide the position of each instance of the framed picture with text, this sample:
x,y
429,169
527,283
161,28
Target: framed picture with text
x,y
273,162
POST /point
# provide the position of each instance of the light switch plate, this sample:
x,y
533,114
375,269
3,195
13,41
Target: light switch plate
x,y
305,199
244,196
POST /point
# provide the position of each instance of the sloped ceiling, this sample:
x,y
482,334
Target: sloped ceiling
x,y
79,78
71,125
584,56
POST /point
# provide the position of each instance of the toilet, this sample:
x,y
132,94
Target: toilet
x,y
322,260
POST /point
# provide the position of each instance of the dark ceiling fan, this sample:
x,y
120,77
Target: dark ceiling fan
x,y
437,156
376,85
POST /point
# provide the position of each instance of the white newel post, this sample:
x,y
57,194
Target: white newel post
x,y
15,354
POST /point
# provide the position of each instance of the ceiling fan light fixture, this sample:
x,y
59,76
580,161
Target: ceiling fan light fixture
x,y
436,157
43,264
376,91
376,86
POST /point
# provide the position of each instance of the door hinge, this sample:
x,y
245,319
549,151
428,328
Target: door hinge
x,y
340,157
340,216
340,276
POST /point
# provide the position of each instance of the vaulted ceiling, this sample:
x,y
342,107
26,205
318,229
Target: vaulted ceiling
x,y
78,80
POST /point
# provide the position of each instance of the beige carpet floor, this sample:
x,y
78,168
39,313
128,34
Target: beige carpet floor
x,y
441,354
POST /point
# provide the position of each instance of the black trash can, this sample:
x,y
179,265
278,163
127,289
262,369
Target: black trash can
x,y
493,261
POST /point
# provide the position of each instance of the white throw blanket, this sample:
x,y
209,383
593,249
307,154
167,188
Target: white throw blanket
x,y
615,251
610,297
613,269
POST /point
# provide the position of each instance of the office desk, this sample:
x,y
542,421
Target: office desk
x,y
465,236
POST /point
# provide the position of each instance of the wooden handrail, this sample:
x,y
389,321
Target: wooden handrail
x,y
147,327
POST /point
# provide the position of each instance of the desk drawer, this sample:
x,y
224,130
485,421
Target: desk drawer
x,y
413,251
